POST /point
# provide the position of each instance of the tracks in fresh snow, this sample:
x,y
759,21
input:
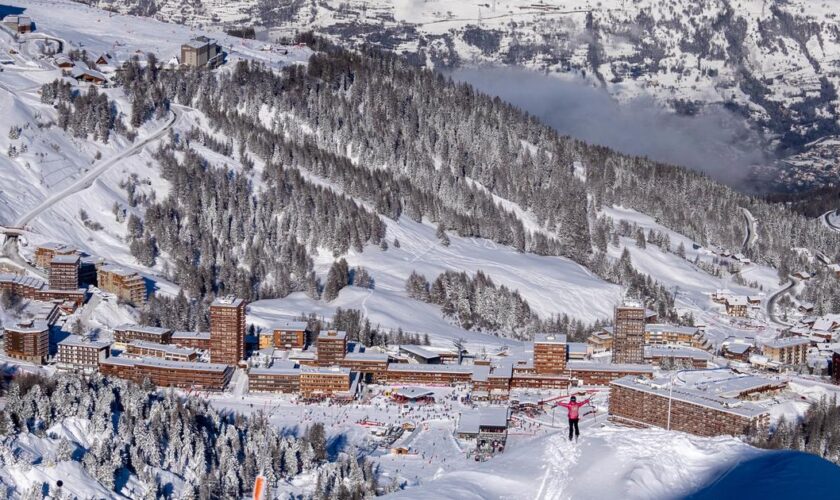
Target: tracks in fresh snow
x,y
562,454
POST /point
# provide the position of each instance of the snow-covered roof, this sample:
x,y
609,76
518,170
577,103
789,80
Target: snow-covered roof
x,y
664,351
275,370
736,300
366,356
736,386
828,322
692,396
150,330
411,367
737,347
190,335
662,328
66,259
114,269
27,326
199,42
577,347
503,370
332,335
549,338
786,342
418,351
227,301
26,281
289,325
325,370
480,373
171,349
471,421
78,341
181,365
618,367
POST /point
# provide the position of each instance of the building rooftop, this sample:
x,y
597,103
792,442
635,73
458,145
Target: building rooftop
x,y
736,386
325,370
27,326
366,356
150,330
418,351
577,347
78,341
549,338
595,366
411,367
181,365
737,347
275,370
171,349
190,335
121,271
227,301
480,373
659,351
289,325
736,300
22,280
692,396
471,421
332,335
503,370
786,342
72,258
662,328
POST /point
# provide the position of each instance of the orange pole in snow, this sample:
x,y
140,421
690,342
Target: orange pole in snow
x,y
259,488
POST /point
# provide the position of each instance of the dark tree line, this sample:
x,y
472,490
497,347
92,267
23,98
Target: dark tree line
x,y
818,432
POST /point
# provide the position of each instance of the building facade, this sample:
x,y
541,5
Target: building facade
x,y
227,330
163,351
629,335
64,272
636,403
127,285
788,350
80,355
28,340
163,373
126,334
199,51
549,353
317,382
331,347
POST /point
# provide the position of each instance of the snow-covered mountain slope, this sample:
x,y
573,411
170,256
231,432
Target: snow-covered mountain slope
x,y
773,62
615,462
551,285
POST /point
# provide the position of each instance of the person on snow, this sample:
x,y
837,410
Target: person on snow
x,y
573,408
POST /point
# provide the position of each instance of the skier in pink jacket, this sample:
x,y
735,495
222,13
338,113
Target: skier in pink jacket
x,y
574,415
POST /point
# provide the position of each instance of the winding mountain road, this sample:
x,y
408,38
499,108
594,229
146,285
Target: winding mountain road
x,y
826,219
771,302
10,247
87,180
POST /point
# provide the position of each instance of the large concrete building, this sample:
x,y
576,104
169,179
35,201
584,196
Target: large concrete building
x,y
629,335
164,373
200,51
78,354
227,330
64,272
549,353
127,285
331,346
28,340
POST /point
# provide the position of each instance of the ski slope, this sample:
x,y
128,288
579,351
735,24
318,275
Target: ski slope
x,y
618,462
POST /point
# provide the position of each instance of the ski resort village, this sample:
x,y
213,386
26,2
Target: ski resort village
x,y
231,268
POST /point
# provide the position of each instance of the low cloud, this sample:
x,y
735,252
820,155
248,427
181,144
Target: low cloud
x,y
715,141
